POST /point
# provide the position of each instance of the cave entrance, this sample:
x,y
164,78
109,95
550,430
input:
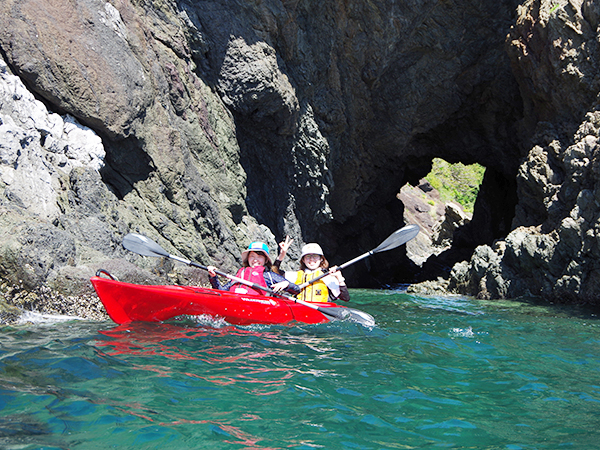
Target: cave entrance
x,y
442,202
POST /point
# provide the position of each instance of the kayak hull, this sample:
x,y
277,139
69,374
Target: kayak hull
x,y
127,302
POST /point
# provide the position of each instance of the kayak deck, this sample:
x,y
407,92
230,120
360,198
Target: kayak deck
x,y
127,302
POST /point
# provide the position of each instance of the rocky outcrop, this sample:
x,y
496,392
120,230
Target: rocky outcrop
x,y
554,247
437,220
206,125
141,174
223,122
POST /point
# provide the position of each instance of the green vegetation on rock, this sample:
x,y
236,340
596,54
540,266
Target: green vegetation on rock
x,y
456,182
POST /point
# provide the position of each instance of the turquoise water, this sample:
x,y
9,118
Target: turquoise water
x,y
449,373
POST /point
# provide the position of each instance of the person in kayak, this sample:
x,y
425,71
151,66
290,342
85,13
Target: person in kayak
x,y
256,267
312,264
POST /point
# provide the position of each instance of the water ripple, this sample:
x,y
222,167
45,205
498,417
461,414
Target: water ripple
x,y
434,373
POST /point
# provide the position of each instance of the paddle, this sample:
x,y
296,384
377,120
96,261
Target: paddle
x,y
144,246
396,239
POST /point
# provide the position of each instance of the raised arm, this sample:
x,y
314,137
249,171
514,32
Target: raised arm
x,y
283,248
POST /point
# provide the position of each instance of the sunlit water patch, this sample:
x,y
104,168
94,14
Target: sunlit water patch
x,y
434,373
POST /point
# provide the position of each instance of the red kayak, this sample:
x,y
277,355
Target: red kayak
x,y
126,302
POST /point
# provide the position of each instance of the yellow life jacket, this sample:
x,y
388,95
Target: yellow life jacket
x,y
316,292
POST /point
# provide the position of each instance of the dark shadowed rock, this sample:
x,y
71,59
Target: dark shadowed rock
x,y
553,248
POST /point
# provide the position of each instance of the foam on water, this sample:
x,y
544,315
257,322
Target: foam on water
x,y
32,317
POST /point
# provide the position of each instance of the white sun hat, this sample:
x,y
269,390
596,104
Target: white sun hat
x,y
311,249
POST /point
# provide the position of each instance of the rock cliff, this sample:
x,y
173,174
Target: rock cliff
x,y
552,250
208,124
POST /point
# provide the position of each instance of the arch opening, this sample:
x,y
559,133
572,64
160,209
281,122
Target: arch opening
x,y
442,202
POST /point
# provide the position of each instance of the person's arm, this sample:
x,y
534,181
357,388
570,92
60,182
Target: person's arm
x,y
344,294
279,283
283,246
337,280
214,280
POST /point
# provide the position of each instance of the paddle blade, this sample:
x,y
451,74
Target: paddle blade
x,y
398,237
361,317
141,245
350,314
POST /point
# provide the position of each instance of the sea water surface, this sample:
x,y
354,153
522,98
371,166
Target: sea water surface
x,y
444,372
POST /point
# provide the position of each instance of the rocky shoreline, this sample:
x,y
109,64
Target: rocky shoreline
x,y
422,206
18,301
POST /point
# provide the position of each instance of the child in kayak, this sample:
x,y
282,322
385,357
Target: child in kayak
x,y
256,268
312,264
